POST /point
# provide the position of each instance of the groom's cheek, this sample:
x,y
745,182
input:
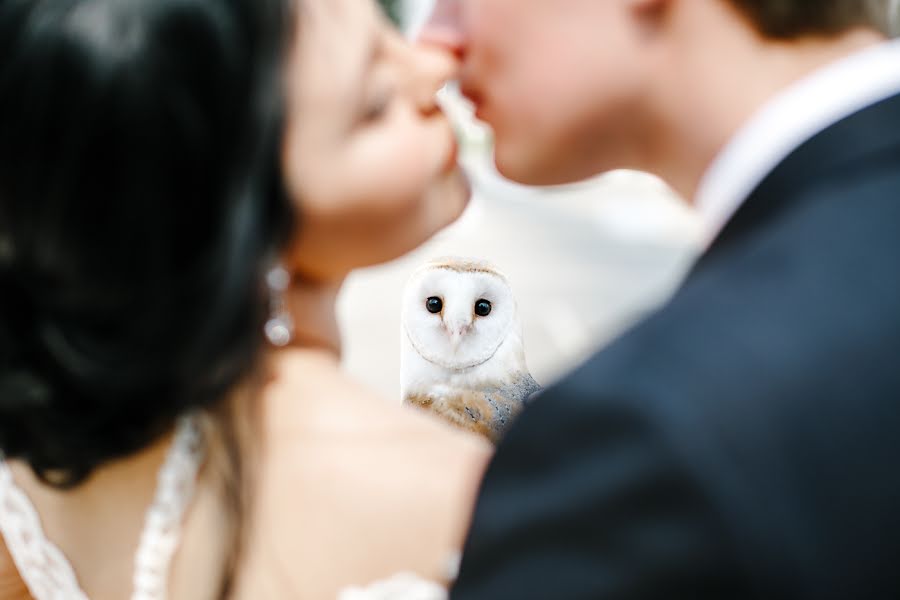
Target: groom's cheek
x,y
558,82
504,64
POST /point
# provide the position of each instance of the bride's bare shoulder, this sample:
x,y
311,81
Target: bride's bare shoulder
x,y
311,401
359,486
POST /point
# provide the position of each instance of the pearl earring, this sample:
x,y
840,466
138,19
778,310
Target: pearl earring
x,y
279,329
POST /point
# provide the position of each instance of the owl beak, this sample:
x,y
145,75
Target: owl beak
x,y
456,335
455,339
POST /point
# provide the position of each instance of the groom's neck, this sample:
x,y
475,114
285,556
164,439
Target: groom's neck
x,y
713,72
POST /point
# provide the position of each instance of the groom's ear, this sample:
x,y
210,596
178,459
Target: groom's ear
x,y
651,13
649,6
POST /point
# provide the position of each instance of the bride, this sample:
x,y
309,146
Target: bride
x,y
173,420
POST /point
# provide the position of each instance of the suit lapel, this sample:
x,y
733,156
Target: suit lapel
x,y
855,139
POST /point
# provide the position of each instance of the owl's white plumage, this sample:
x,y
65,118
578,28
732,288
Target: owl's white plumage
x,y
468,368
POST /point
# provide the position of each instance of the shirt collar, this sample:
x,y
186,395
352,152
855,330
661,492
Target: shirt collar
x,y
783,124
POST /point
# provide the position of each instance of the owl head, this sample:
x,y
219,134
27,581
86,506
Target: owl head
x,y
457,312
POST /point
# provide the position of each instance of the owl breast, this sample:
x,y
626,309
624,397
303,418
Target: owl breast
x,y
487,412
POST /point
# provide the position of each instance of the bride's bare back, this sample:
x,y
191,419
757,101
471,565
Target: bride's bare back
x,y
351,489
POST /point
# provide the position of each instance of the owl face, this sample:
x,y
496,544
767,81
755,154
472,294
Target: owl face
x,y
457,315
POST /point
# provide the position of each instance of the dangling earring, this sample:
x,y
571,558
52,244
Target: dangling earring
x,y
279,329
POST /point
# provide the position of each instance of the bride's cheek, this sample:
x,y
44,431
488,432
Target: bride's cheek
x,y
399,175
421,146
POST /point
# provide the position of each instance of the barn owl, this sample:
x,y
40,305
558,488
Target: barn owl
x,y
462,352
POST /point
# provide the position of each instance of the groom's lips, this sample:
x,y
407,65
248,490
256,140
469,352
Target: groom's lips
x,y
476,98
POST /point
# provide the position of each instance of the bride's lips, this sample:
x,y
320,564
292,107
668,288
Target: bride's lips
x,y
452,155
454,151
454,130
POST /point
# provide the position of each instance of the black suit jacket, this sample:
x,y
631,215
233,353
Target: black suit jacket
x,y
744,441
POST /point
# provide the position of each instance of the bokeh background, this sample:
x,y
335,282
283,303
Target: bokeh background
x,y
585,261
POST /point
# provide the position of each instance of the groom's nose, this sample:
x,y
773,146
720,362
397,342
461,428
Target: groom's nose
x,y
444,27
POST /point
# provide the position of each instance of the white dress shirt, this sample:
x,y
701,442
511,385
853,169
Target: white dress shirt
x,y
783,124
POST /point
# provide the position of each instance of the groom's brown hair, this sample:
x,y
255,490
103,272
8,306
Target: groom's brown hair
x,y
789,19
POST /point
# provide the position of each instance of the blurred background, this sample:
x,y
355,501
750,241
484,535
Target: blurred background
x,y
585,261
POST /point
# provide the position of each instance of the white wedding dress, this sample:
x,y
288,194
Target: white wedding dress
x,y
49,575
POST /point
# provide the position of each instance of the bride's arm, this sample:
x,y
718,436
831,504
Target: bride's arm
x,y
11,585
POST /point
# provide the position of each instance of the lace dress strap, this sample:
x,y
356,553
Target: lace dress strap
x,y
46,570
162,523
41,564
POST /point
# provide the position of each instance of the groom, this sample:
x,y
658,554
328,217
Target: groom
x,y
744,441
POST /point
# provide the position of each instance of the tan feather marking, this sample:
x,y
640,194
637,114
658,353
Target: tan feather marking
x,y
420,400
465,266
468,410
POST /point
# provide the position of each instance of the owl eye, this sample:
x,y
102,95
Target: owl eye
x,y
434,305
482,308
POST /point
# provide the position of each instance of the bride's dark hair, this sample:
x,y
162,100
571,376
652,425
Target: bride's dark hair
x,y
139,208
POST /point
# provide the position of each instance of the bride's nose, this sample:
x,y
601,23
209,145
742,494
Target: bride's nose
x,y
444,28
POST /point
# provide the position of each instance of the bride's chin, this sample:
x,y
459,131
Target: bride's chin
x,y
451,163
455,191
